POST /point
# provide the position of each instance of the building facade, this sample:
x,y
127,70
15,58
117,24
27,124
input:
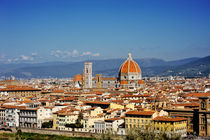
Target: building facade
x,y
2,117
88,75
170,125
12,116
28,118
198,119
139,119
204,116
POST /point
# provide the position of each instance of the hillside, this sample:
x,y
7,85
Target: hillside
x,y
110,67
197,68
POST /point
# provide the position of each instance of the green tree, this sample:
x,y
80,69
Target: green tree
x,y
18,134
78,123
47,124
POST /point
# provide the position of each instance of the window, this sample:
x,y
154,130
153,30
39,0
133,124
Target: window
x,y
202,128
203,105
202,121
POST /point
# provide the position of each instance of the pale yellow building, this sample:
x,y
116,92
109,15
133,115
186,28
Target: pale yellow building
x,y
116,106
170,125
63,117
138,119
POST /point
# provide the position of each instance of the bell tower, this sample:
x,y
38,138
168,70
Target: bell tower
x,y
88,74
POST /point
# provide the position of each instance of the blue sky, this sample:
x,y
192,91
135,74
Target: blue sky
x,y
75,30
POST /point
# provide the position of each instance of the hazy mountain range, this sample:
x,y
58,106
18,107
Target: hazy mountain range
x,y
150,67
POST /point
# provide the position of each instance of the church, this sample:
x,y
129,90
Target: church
x,y
129,77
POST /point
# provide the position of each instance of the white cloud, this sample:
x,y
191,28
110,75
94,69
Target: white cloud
x,y
74,53
26,58
34,54
96,54
9,60
90,54
15,59
20,58
86,53
60,54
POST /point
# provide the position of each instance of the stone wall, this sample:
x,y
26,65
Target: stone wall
x,y
59,132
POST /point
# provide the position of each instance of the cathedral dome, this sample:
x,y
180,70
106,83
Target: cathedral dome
x,y
78,77
130,66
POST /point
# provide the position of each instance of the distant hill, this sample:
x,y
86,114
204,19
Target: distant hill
x,y
182,61
110,67
197,68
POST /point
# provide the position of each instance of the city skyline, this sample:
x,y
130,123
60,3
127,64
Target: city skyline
x,y
40,31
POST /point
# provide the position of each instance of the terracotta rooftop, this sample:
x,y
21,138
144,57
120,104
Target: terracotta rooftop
x,y
169,119
19,88
95,102
112,119
187,104
149,113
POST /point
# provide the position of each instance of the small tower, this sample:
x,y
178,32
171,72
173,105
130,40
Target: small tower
x,y
88,75
98,80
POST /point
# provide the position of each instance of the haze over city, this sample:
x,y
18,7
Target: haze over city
x,y
74,30
105,69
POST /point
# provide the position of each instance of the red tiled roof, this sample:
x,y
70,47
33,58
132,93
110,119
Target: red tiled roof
x,y
169,119
123,82
197,94
19,88
187,104
145,95
149,113
58,91
68,98
112,119
94,102
141,82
